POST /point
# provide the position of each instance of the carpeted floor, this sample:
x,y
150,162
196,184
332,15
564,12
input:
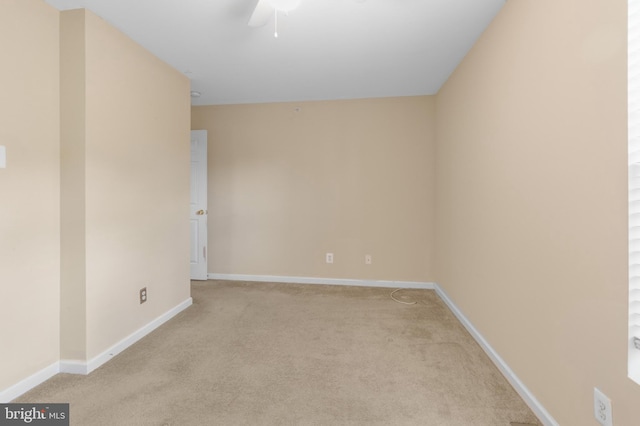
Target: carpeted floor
x,y
288,354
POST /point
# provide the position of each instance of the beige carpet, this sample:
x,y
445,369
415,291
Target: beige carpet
x,y
285,354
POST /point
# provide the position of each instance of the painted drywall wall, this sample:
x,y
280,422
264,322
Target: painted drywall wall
x,y
531,200
136,180
290,182
73,274
138,118
29,189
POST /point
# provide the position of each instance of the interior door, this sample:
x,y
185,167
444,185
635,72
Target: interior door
x,y
199,212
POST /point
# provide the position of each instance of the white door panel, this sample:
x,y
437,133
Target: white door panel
x,y
198,205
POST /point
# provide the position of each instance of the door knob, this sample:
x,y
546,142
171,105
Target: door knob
x,y
201,212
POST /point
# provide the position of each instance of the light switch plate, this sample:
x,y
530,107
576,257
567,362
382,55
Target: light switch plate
x,y
3,157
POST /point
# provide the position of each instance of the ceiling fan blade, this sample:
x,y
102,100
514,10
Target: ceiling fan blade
x,y
261,14
284,5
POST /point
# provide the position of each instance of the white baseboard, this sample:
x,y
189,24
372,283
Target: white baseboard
x,y
511,377
81,367
327,281
517,384
72,366
29,383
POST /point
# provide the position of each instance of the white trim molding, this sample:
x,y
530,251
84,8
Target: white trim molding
x,y
29,383
507,372
326,281
511,377
633,89
81,367
73,366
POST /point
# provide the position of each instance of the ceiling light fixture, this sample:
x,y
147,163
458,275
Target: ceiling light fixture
x,y
267,8
284,5
195,94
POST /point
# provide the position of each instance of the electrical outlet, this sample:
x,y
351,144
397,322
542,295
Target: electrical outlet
x,y
367,259
602,408
329,258
143,295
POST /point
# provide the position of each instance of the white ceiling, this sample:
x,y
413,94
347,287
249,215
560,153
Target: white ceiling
x,y
326,49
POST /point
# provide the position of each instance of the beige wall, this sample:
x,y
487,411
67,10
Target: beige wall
x,y
531,192
290,182
136,180
531,204
73,274
95,195
29,189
